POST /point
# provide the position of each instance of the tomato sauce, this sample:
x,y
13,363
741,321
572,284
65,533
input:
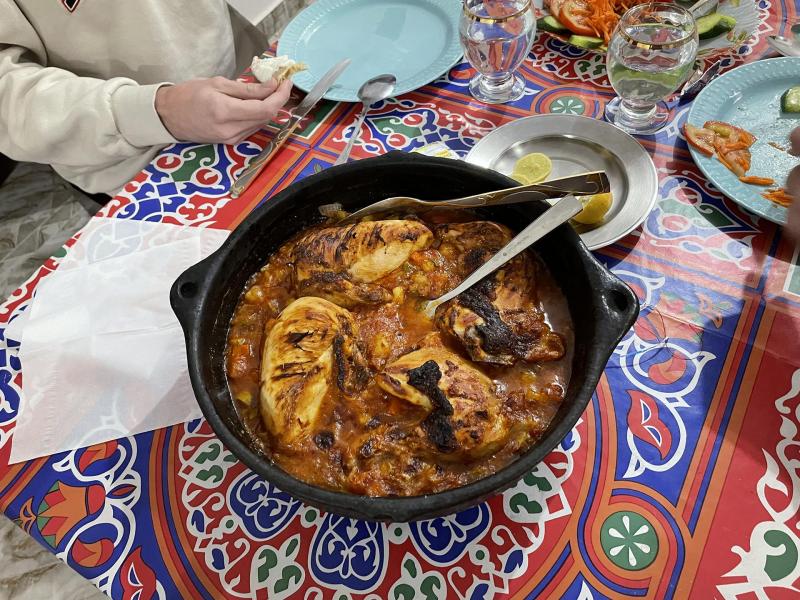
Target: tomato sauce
x,y
372,445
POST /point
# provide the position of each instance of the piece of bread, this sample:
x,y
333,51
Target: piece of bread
x,y
288,71
279,68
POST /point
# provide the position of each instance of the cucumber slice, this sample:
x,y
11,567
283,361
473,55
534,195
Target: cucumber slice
x,y
790,100
551,24
584,41
714,25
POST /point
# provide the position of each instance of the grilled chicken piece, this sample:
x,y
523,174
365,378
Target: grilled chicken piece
x,y
341,263
474,242
497,320
464,415
310,353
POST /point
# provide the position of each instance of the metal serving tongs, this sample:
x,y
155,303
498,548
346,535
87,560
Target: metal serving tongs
x,y
584,184
561,212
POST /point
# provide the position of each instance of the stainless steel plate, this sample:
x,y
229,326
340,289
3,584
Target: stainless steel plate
x,y
575,145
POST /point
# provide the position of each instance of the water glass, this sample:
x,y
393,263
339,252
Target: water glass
x,y
650,55
496,36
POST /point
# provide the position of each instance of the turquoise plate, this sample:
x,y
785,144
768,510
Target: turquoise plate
x,y
416,40
750,97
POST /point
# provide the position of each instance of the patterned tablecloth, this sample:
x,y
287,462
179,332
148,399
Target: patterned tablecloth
x,y
682,479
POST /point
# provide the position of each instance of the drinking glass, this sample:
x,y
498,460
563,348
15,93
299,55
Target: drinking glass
x,y
650,55
496,36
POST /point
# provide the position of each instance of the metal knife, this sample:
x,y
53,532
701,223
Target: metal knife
x,y
252,170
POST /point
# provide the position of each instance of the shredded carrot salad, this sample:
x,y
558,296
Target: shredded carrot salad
x,y
602,16
778,196
755,180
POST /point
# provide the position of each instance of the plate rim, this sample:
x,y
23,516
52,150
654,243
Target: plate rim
x,y
716,85
306,18
652,172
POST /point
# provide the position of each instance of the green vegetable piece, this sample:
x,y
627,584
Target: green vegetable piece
x,y
714,25
790,100
551,24
585,41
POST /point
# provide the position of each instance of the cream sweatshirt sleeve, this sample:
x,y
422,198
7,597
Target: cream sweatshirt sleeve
x,y
50,115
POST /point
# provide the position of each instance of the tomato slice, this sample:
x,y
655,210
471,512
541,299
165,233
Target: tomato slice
x,y
702,139
555,8
574,16
733,145
731,132
737,161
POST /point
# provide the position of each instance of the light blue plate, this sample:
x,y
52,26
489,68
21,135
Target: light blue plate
x,y
750,97
416,40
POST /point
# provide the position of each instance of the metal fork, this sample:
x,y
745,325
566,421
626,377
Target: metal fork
x,y
595,182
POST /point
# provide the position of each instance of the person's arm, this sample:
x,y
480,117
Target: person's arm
x,y
51,115
793,220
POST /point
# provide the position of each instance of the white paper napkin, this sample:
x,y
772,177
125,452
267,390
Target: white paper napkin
x,y
102,352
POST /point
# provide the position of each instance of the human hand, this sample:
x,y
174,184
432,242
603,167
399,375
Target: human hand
x,y
219,110
793,220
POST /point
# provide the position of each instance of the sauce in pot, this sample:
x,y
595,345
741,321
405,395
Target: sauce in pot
x,y
462,414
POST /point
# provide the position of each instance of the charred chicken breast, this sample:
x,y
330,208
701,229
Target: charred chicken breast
x,y
310,354
341,264
464,415
498,320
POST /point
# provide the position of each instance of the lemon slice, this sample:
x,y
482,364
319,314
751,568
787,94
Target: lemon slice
x,y
522,178
534,167
595,208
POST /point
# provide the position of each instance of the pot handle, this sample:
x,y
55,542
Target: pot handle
x,y
620,311
185,295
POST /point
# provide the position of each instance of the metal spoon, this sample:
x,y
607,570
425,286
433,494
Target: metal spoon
x,y
376,89
563,211
789,44
784,45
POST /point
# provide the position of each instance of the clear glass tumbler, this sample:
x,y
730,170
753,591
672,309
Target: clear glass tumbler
x,y
650,55
496,36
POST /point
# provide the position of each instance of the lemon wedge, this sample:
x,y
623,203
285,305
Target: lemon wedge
x,y
522,178
595,208
533,168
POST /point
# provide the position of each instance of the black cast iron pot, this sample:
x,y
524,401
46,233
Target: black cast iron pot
x,y
603,308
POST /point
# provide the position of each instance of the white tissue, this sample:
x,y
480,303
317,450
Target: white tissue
x,y
102,352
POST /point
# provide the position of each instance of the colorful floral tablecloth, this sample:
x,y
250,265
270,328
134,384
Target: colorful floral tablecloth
x,y
681,480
